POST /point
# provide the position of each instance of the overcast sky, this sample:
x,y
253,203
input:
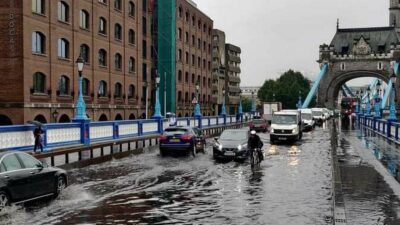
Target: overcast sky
x,y
277,35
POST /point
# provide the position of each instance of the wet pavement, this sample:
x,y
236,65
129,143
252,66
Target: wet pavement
x,y
371,192
292,186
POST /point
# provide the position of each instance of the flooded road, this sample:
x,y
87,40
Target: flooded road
x,y
371,192
292,186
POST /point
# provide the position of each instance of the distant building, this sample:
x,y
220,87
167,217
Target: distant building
x,y
250,92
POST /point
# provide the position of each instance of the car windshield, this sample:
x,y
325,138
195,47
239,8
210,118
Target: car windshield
x,y
284,119
317,113
258,121
175,131
233,135
307,116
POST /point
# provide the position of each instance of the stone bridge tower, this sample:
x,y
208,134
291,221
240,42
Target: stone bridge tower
x,y
360,52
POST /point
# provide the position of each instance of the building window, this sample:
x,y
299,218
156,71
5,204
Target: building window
x,y
179,33
118,31
131,91
186,77
131,37
103,1
198,62
63,11
38,6
180,11
144,6
193,81
85,87
186,37
204,82
144,72
180,76
193,21
118,61
380,66
38,42
63,48
187,57
102,26
144,26
84,19
199,24
193,60
85,53
118,90
102,89
39,80
63,85
102,57
193,40
180,55
187,16
132,67
144,49
131,9
117,5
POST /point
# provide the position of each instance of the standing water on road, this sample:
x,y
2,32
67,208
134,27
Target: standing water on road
x,y
292,186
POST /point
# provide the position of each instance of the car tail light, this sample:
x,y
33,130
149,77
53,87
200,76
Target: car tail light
x,y
163,138
186,137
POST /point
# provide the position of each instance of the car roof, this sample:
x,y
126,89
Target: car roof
x,y
5,152
287,112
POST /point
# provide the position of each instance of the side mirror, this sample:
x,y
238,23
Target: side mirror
x,y
40,166
216,139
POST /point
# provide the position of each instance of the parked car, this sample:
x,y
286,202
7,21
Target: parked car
x,y
259,125
286,125
307,119
232,144
182,139
24,178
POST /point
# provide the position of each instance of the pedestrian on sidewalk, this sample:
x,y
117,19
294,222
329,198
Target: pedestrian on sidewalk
x,y
38,135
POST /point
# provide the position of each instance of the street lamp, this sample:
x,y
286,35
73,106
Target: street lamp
x,y
240,109
80,105
299,103
368,107
377,101
253,104
392,114
157,111
223,109
55,115
358,102
197,112
361,103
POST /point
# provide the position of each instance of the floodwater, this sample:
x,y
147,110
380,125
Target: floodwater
x,y
371,192
292,186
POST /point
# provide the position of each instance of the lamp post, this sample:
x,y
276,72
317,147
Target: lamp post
x,y
368,106
80,105
223,108
253,104
377,101
357,111
392,114
240,109
55,115
197,112
361,102
157,111
299,103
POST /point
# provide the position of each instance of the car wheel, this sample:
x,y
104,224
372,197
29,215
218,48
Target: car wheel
x,y
61,184
194,150
4,199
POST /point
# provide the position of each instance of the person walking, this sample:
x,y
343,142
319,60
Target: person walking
x,y
38,135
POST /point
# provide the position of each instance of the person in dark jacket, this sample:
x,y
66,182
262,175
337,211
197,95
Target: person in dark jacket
x,y
255,142
37,133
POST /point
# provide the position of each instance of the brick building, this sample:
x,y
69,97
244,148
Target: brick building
x,y
41,39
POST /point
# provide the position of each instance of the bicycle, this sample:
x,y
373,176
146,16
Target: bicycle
x,y
254,158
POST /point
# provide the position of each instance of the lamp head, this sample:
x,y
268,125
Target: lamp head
x,y
157,79
197,84
80,63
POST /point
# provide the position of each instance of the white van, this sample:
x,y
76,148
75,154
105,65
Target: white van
x,y
286,125
307,119
318,115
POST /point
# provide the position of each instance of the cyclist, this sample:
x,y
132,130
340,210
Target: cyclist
x,y
255,142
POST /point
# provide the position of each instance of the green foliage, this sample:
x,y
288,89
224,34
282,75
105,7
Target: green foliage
x,y
286,89
246,104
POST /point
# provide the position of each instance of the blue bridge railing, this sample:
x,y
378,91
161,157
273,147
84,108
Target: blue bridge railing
x,y
385,128
21,137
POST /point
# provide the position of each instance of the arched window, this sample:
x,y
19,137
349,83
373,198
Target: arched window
x,y
179,96
84,19
179,75
38,42
132,117
131,9
131,37
118,61
5,120
117,4
103,26
85,52
180,11
118,31
103,117
63,11
63,48
118,91
204,82
39,82
118,117
193,81
85,87
131,91
40,118
186,77
102,89
187,15
102,57
132,67
63,85
38,6
186,97
64,119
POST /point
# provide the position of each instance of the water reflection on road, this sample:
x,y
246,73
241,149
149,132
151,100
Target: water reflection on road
x,y
292,186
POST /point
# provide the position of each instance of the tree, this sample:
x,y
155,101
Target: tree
x,y
287,89
246,104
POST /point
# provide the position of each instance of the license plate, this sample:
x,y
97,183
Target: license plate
x,y
230,153
174,140
282,138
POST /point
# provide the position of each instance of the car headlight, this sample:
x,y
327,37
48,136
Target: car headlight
x,y
240,147
294,130
220,147
272,130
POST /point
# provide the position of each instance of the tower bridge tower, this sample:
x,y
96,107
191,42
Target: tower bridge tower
x,y
394,18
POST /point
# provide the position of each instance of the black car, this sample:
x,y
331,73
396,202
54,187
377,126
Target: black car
x,y
232,144
182,139
24,178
